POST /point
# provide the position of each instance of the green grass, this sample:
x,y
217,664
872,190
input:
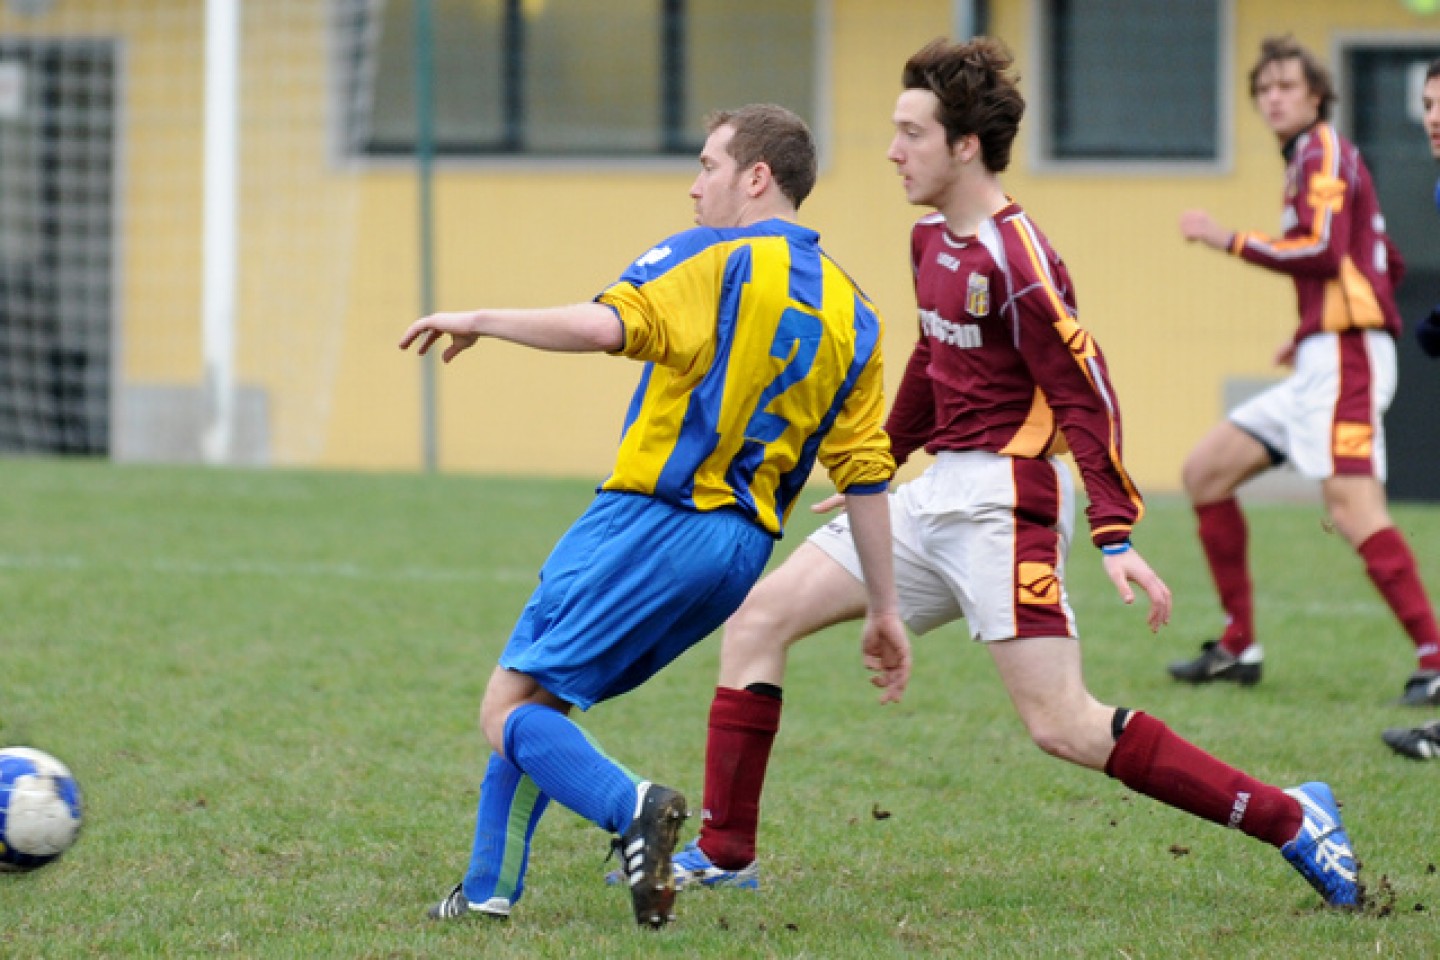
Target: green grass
x,y
267,684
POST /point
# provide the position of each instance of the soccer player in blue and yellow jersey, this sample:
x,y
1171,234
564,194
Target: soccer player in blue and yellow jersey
x,y
1002,380
1327,416
761,356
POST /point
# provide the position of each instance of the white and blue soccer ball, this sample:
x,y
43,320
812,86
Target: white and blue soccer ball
x,y
39,809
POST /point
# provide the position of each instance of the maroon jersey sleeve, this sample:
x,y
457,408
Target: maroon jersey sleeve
x,y
912,416
1335,248
1070,371
1396,262
1316,213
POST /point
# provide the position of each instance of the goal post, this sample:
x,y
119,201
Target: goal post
x,y
222,130
177,226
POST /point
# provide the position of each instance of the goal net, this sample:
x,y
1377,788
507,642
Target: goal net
x,y
102,222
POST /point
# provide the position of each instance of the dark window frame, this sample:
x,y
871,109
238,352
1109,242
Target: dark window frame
x,y
1048,153
677,139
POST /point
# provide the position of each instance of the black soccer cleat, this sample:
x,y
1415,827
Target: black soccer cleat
x,y
1217,663
1422,689
646,848
1417,743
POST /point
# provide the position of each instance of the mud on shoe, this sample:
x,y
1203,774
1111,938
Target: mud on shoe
x,y
1321,850
456,906
1217,663
646,848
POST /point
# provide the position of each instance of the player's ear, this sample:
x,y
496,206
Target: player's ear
x,y
759,178
965,148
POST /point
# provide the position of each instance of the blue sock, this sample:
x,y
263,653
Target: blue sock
x,y
569,767
510,808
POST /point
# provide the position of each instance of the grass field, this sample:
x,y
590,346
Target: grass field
x,y
266,683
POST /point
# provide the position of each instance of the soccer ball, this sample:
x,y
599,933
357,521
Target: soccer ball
x,y
39,809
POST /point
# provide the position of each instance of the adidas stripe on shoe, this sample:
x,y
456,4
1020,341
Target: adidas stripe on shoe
x,y
456,905
645,850
1321,850
694,868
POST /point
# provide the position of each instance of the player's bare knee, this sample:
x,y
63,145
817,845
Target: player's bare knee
x,y
762,620
1199,479
1053,741
492,723
1080,734
1192,477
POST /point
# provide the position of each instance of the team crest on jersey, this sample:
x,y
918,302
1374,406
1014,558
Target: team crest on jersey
x,y
977,295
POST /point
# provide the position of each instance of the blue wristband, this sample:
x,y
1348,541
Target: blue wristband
x,y
1115,549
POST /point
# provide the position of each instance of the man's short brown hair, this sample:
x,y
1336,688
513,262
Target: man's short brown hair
x,y
770,134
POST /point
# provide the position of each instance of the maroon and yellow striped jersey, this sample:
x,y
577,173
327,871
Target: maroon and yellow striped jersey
x,y
1334,244
1003,365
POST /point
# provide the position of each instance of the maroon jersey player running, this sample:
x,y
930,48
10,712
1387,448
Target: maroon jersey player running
x,y
1326,418
1003,376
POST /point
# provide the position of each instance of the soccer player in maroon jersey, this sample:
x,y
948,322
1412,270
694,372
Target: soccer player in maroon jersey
x,y
1326,417
1002,380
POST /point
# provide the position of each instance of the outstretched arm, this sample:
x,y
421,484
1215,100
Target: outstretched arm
x,y
885,646
1199,225
579,328
1129,567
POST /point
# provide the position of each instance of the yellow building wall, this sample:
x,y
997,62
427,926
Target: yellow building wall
x,y
516,237
1176,321
330,269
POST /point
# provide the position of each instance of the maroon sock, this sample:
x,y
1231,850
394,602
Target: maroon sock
x,y
1150,759
1225,538
1391,566
742,729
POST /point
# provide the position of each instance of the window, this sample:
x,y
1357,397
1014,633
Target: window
x,y
627,78
1133,80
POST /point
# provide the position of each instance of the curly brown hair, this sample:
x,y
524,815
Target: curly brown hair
x,y
977,92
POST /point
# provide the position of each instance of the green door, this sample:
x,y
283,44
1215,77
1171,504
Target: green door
x,y
1381,106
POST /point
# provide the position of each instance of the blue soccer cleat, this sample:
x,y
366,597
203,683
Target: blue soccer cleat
x,y
693,867
1321,850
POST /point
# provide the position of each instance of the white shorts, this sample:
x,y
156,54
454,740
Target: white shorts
x,y
979,536
1327,418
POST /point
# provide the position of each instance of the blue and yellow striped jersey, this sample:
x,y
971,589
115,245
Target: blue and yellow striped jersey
x,y
761,355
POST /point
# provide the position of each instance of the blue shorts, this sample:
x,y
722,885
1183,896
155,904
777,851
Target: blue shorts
x,y
632,585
